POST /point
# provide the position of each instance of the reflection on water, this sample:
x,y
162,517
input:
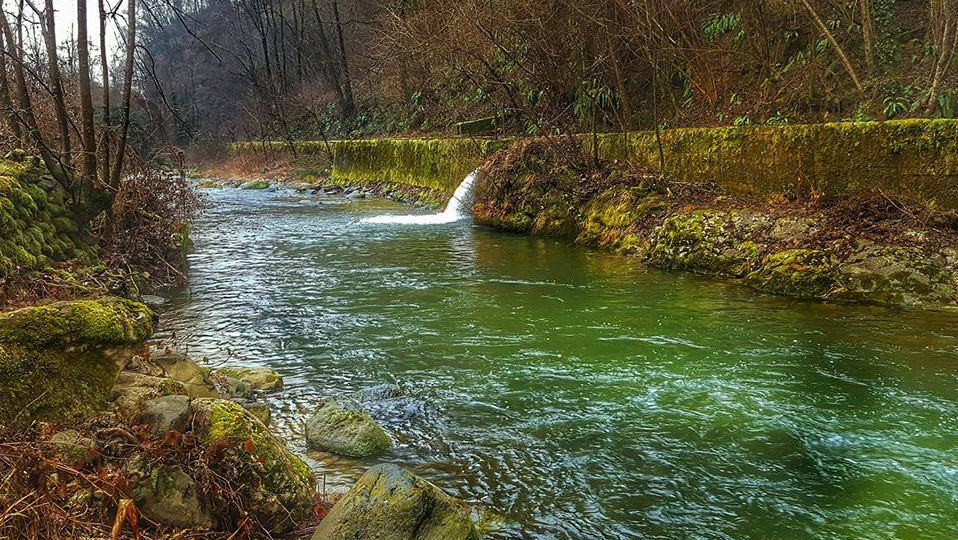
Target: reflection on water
x,y
577,394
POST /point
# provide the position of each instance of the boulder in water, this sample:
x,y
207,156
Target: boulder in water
x,y
343,427
390,503
255,185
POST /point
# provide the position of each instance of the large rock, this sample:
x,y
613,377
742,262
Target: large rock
x,y
168,413
898,275
73,447
133,390
343,427
260,378
167,495
60,360
275,486
180,368
804,273
389,503
255,185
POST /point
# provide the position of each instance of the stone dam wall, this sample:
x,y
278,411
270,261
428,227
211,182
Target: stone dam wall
x,y
912,159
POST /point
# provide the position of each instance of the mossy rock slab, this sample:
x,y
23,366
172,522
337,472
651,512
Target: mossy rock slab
x,y
802,273
278,486
343,427
61,360
390,503
260,378
898,275
707,242
195,377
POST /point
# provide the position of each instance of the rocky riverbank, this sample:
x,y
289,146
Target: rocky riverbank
x,y
102,433
869,248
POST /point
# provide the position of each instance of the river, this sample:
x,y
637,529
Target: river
x,y
579,395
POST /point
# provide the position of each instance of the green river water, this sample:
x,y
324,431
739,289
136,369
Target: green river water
x,y
579,395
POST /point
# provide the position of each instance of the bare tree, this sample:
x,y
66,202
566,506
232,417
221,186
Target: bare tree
x,y
88,130
105,138
944,18
127,92
6,102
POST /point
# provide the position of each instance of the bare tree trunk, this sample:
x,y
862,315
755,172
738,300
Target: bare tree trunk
x,y
6,102
105,139
87,131
347,81
946,42
868,34
48,30
331,73
127,92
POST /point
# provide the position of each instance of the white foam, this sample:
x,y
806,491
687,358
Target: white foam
x,y
456,210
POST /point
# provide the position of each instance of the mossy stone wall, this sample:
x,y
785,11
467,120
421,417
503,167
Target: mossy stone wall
x,y
917,159
434,164
36,228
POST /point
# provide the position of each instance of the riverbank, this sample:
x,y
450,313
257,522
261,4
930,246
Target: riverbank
x,y
103,432
540,378
874,248
845,212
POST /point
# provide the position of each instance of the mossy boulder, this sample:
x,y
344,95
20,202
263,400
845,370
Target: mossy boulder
x,y
61,360
107,321
343,427
278,487
260,378
390,503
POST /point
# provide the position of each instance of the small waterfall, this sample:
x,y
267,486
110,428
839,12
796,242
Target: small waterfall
x,y
455,209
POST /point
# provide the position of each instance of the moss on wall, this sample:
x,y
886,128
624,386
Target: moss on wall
x,y
36,228
915,159
434,164
438,164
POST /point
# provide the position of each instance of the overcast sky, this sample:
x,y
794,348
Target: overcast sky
x,y
66,19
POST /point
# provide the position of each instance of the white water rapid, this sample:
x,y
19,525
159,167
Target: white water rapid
x,y
455,209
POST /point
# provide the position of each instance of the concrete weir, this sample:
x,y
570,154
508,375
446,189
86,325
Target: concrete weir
x,y
914,159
